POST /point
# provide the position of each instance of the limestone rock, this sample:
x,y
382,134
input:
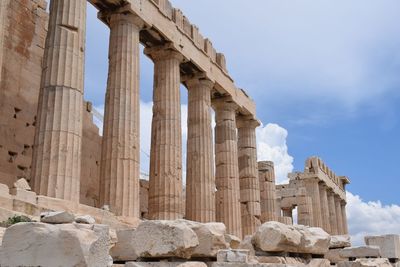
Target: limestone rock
x,y
30,244
275,236
2,231
154,239
247,244
165,264
233,255
314,240
340,241
57,217
333,255
233,241
86,219
22,184
211,238
192,264
360,252
319,263
388,244
381,262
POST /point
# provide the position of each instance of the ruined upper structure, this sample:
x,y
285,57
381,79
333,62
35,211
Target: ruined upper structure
x,y
48,136
320,197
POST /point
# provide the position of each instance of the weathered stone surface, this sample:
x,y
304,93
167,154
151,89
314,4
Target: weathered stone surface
x,y
275,236
123,250
360,252
233,255
340,241
57,217
233,241
30,244
319,263
382,262
23,184
333,255
86,219
2,231
156,239
247,243
314,240
389,245
166,264
211,238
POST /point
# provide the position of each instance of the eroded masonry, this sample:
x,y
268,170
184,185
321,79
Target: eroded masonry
x,y
48,136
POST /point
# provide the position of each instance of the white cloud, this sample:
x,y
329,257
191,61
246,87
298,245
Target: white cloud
x,y
371,218
271,145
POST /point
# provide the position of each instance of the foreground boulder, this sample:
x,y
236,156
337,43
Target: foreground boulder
x,y
340,241
40,244
156,239
314,240
57,217
389,245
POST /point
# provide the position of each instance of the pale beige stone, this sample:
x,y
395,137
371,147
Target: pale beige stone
x,y
23,184
366,263
165,189
341,241
312,186
23,195
344,218
233,241
314,240
389,245
361,252
233,255
304,210
2,231
57,217
30,244
228,210
166,264
247,243
339,217
123,249
86,219
200,179
57,148
333,255
269,205
120,164
319,263
324,207
332,214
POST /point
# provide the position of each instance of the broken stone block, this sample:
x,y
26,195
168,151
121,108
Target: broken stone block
x,y
123,250
333,255
2,231
165,264
46,245
233,255
24,195
233,241
340,241
360,252
381,262
277,237
23,184
314,240
389,245
247,244
57,217
86,219
319,263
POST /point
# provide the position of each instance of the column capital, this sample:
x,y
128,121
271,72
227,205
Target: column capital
x,y
243,121
119,15
224,103
265,165
163,52
195,81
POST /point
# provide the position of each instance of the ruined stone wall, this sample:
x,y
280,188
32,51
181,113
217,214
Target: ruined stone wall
x,y
23,28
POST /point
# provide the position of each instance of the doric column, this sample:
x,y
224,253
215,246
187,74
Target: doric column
x,y
200,179
312,188
269,205
120,167
57,150
227,170
339,218
3,15
248,174
344,218
332,213
324,207
304,211
165,187
287,213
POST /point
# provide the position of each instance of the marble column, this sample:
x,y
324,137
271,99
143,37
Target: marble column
x,y
200,179
324,207
56,165
268,202
248,174
287,213
344,218
332,213
3,20
312,188
227,170
339,218
120,159
304,211
165,185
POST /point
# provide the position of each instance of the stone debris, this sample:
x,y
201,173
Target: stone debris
x,y
57,217
86,219
23,184
389,245
360,252
233,255
30,244
314,240
340,241
365,263
166,264
233,241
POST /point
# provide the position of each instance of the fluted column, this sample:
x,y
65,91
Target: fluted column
x,y
120,159
304,211
57,151
344,218
339,218
165,186
227,170
269,205
3,15
312,188
200,179
324,207
287,213
332,213
248,174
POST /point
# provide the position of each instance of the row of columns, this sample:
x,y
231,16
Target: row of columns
x,y
329,210
229,194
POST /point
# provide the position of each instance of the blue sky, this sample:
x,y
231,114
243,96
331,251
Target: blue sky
x,y
328,72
